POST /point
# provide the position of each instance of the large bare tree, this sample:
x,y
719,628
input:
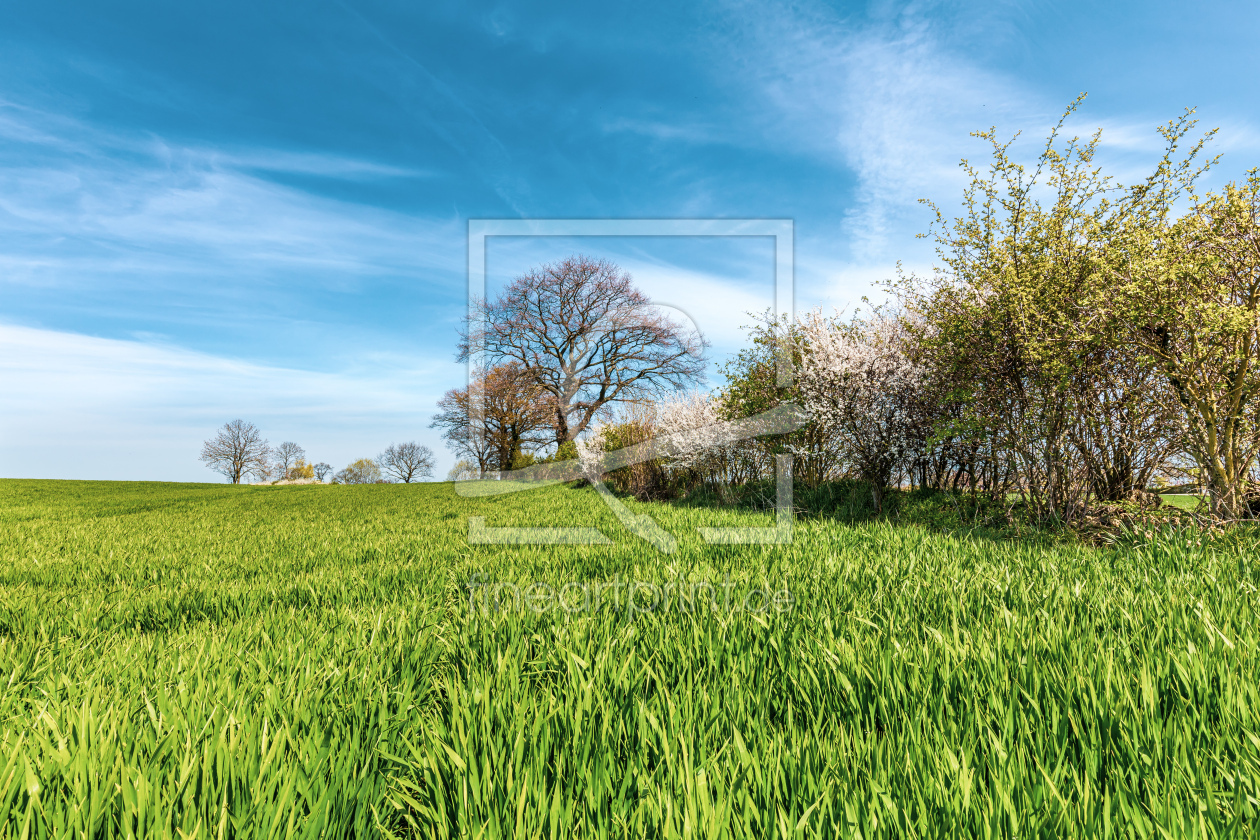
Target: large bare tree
x,y
586,337
406,462
237,450
492,422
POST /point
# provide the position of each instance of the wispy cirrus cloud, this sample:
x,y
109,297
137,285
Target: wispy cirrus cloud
x,y
884,98
666,130
141,204
892,97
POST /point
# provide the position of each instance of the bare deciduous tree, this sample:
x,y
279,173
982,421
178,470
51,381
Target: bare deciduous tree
x,y
322,470
237,450
586,336
286,455
510,412
407,462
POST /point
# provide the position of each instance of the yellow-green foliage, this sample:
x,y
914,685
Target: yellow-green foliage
x,y
646,479
218,661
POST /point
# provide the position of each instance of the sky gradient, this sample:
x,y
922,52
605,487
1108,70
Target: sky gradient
x,y
210,211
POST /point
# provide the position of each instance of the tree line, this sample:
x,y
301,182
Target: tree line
x,y
1079,342
239,451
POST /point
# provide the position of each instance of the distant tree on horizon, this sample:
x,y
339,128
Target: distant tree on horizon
x,y
321,470
287,455
362,471
237,450
407,462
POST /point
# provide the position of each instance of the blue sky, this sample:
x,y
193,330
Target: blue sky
x,y
259,210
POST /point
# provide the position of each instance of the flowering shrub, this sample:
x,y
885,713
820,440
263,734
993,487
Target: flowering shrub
x,y
860,383
692,422
684,439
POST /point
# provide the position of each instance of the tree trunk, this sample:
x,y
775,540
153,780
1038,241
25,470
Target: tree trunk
x,y
877,496
562,426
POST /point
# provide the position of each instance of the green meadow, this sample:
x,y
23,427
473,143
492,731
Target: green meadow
x,y
1182,500
185,660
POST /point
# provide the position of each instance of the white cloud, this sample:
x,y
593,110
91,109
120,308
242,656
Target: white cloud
x,y
690,132
886,100
77,406
718,306
106,205
310,163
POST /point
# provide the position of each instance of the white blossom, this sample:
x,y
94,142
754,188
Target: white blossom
x,y
694,427
684,432
858,381
590,453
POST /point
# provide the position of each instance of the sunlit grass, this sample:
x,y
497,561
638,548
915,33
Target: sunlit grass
x,y
205,660
1185,501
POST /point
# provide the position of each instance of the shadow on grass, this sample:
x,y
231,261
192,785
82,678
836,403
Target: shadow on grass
x,y
850,502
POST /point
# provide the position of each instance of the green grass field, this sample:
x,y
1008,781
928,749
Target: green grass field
x,y
1182,500
211,661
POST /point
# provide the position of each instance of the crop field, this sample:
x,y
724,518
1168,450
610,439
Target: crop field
x,y
1182,500
214,661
